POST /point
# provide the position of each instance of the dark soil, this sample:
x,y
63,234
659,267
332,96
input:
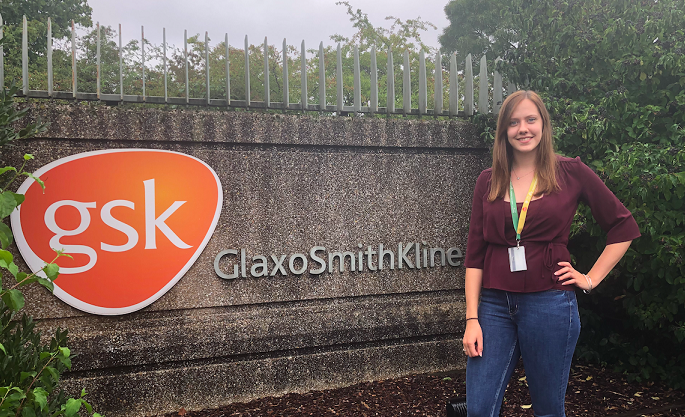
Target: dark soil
x,y
591,392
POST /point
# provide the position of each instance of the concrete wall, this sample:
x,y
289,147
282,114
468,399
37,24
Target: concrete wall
x,y
290,182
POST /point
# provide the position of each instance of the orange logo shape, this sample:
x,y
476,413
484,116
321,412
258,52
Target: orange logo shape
x,y
134,221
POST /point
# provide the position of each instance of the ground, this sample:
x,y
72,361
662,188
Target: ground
x,y
592,391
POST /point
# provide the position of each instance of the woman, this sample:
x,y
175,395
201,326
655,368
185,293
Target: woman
x,y
518,265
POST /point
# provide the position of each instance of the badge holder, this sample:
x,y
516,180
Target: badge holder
x,y
517,258
517,254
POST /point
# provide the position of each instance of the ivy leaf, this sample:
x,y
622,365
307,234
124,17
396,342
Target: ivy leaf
x,y
13,268
41,397
7,204
66,362
7,257
2,348
53,373
36,179
19,197
16,396
25,375
26,281
28,157
52,271
5,169
6,237
13,299
47,284
680,176
72,407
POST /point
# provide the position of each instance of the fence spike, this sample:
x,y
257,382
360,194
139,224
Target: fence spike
x,y
286,85
468,94
25,57
303,77
2,54
73,60
142,55
483,106
267,89
423,93
454,86
228,73
497,90
437,109
207,66
357,82
391,84
511,87
50,79
185,57
406,84
166,91
322,79
121,67
247,73
373,105
339,82
97,59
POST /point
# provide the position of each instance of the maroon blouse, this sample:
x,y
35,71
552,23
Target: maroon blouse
x,y
545,234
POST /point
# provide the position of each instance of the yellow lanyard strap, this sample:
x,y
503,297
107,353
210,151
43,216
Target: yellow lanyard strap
x,y
519,222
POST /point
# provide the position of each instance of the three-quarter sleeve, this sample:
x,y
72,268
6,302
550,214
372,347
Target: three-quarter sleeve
x,y
476,245
612,216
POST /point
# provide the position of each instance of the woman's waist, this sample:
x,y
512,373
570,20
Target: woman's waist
x,y
541,257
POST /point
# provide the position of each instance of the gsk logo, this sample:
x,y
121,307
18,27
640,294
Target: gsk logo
x,y
134,221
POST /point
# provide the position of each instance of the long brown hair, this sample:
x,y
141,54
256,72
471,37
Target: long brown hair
x,y
503,154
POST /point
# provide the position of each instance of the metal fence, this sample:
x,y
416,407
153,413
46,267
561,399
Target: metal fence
x,y
371,106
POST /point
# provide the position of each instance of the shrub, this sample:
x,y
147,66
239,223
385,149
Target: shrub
x,y
29,371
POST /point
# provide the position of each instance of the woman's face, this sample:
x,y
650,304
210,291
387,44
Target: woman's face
x,y
525,127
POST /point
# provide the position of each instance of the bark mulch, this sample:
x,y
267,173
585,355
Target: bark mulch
x,y
591,392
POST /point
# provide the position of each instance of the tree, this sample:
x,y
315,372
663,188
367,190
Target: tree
x,y
399,37
61,12
478,28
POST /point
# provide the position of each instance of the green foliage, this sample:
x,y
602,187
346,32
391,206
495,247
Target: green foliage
x,y
8,115
638,321
478,28
612,73
29,371
401,36
61,13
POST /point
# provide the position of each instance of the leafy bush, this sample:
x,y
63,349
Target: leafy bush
x,y
29,371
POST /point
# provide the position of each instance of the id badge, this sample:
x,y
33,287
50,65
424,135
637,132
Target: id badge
x,y
517,259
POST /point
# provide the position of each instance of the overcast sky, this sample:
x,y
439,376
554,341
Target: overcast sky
x,y
310,20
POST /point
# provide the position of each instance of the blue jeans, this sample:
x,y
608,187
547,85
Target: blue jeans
x,y
540,327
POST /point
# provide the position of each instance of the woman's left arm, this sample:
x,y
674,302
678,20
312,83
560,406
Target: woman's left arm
x,y
610,256
613,218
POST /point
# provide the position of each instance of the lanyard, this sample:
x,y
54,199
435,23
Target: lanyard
x,y
518,223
